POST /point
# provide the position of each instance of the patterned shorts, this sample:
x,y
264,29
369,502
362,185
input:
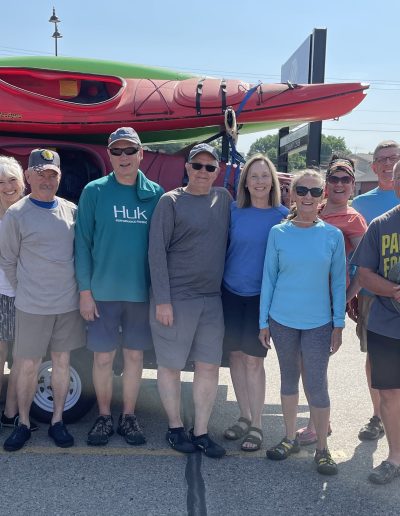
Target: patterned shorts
x,y
7,318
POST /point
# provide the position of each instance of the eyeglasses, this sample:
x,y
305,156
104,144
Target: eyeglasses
x,y
129,151
392,159
199,166
302,191
335,180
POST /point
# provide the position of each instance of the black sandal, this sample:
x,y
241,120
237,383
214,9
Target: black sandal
x,y
236,431
255,440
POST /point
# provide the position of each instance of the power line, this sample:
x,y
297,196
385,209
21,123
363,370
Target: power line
x,y
361,130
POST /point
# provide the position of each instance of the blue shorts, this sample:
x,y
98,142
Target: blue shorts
x,y
121,323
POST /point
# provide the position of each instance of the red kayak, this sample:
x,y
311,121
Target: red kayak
x,y
38,101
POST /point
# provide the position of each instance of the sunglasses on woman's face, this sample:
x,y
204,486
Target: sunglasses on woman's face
x,y
302,191
335,180
129,151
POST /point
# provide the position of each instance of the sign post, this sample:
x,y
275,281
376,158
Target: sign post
x,y
305,66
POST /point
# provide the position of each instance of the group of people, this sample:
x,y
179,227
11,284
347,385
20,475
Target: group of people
x,y
195,274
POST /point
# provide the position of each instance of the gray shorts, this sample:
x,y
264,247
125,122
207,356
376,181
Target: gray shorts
x,y
34,334
197,333
364,307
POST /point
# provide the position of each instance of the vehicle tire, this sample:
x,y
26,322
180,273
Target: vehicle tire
x,y
80,397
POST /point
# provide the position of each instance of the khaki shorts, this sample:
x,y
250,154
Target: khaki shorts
x,y
196,334
364,307
34,334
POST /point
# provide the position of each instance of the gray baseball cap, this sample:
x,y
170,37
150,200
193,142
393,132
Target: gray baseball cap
x,y
124,133
44,158
203,147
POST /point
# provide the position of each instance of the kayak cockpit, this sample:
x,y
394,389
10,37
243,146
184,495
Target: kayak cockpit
x,y
76,88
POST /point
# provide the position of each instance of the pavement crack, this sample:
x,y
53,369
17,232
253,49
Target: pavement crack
x,y
196,492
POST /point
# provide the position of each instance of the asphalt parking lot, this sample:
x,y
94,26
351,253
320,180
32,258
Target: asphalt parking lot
x,y
154,480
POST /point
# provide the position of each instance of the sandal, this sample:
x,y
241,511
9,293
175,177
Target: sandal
x,y
237,431
282,450
254,440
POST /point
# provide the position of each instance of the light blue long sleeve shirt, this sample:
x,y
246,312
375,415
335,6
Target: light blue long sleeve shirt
x,y
304,277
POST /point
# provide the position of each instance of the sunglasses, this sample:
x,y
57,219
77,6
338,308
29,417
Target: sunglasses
x,y
335,180
199,166
302,191
129,151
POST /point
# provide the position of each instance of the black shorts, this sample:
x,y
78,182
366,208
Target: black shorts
x,y
384,356
241,314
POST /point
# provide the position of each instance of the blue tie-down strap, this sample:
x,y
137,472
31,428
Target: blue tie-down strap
x,y
246,98
235,160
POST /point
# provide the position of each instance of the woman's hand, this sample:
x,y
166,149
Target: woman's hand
x,y
336,339
264,337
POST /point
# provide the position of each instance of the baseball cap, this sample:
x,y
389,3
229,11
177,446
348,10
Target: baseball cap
x,y
124,133
340,164
203,147
44,158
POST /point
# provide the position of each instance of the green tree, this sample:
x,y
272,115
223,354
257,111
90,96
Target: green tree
x,y
269,145
266,145
331,145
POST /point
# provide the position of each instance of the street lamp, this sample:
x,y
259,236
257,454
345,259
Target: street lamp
x,y
56,35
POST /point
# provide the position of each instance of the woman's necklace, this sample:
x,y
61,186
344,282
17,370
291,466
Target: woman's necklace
x,y
299,221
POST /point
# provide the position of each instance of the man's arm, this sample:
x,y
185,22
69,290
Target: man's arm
x,y
10,245
161,231
378,284
84,230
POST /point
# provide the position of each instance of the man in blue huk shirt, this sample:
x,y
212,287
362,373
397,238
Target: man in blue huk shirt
x,y
113,276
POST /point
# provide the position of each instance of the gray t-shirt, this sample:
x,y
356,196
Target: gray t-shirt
x,y
37,255
188,237
379,250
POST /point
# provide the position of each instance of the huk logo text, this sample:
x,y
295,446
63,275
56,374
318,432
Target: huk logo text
x,y
136,216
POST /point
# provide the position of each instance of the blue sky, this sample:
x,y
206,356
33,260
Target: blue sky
x,y
231,39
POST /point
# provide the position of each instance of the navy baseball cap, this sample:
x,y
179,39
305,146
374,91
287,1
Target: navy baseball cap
x,y
41,159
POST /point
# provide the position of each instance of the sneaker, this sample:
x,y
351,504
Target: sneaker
x,y
18,438
282,450
305,436
384,473
325,464
60,435
129,428
207,445
11,422
179,440
101,431
372,430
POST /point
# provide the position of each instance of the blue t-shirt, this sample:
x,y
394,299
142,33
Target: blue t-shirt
x,y
374,203
248,235
304,279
